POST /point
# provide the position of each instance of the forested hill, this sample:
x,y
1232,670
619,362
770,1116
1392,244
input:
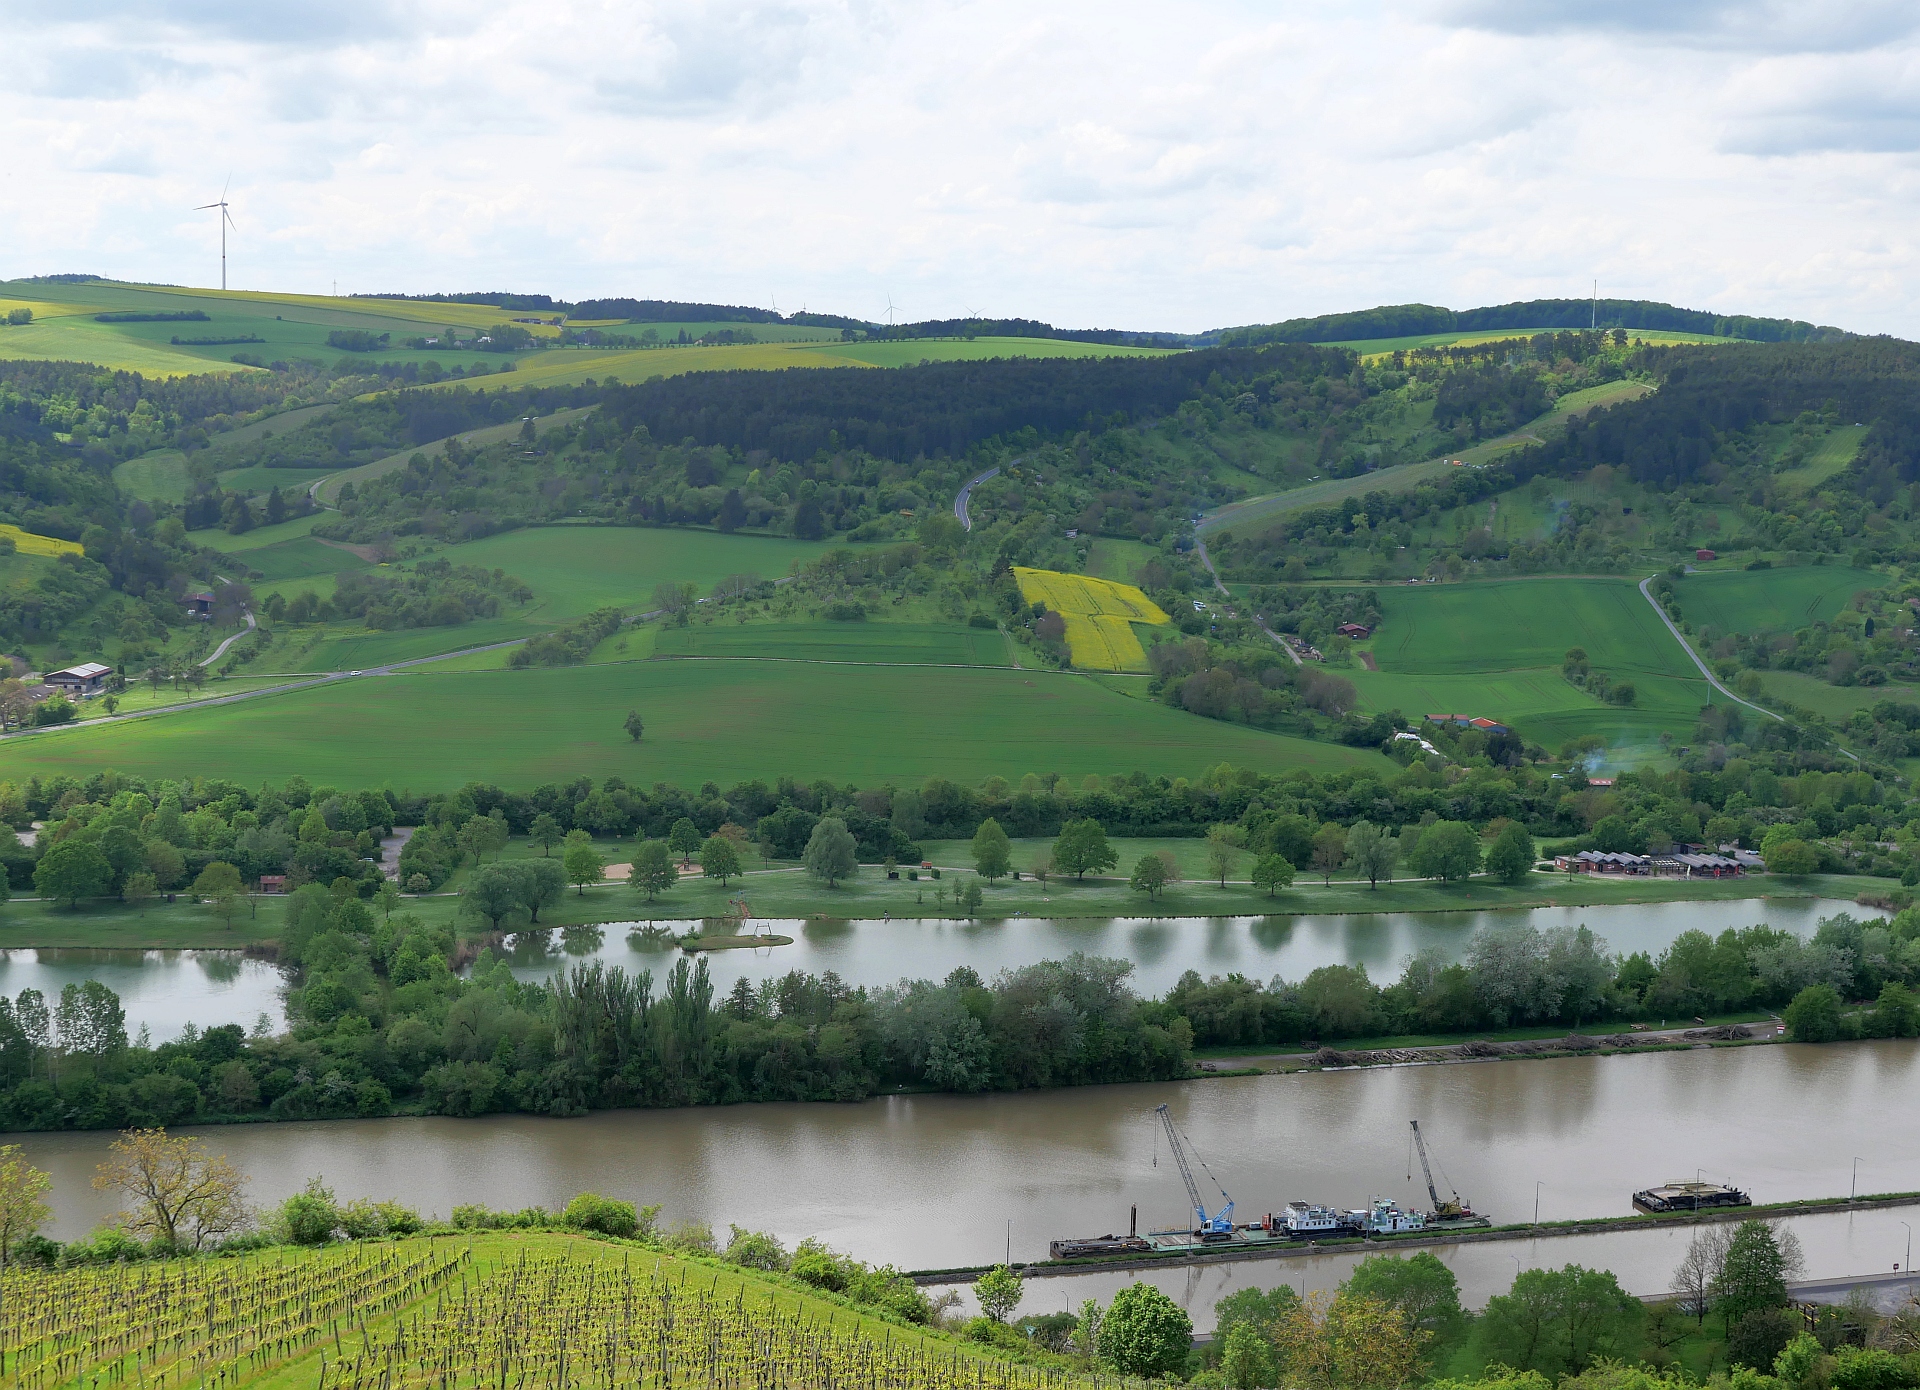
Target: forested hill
x,y
1409,320
943,407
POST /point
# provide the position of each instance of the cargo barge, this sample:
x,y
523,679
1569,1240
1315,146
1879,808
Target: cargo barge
x,y
1689,1196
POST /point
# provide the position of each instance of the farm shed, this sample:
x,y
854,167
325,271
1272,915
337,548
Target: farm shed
x,y
84,679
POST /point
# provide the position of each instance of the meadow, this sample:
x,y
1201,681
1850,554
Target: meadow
x,y
705,720
1836,451
1380,347
329,489
1494,649
1771,600
938,644
907,352
159,476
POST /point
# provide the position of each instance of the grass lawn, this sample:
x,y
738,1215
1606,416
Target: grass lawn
x,y
258,481
1836,451
948,644
356,649
718,720
1771,600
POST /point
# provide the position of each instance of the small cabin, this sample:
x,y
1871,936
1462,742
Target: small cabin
x,y
273,883
1704,555
200,605
82,680
1354,630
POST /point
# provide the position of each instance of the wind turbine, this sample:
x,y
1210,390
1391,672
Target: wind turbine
x,y
890,308
226,220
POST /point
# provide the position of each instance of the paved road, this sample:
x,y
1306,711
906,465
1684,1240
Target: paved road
x,y
1694,656
960,502
221,650
1278,640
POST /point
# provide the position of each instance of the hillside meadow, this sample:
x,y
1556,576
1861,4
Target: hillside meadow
x,y
1771,599
723,721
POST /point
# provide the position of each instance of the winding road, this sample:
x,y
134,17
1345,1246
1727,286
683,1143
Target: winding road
x,y
966,491
1278,641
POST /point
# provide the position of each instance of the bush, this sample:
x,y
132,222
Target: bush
x,y
816,1265
364,1219
755,1250
1814,1015
308,1218
1869,1368
479,1218
592,1212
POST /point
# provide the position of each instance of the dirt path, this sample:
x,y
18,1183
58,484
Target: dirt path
x,y
1200,546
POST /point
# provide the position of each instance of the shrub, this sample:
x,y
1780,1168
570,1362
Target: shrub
x,y
755,1250
1814,1015
365,1219
1758,1339
591,1212
309,1217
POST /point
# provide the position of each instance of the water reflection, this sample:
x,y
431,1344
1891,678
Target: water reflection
x,y
1161,948
162,990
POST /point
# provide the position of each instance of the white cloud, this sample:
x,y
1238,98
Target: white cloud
x,y
1126,164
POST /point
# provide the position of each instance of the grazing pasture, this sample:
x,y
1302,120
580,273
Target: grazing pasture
x,y
1771,600
718,720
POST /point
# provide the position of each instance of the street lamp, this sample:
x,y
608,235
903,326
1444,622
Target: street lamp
x,y
1854,1189
1536,1203
1909,1264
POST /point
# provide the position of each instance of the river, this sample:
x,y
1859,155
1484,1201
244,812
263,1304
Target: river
x,y
934,1181
165,990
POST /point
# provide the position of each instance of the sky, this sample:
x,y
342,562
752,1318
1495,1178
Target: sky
x,y
1177,166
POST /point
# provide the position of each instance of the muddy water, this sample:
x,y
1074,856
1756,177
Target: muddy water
x,y
932,1181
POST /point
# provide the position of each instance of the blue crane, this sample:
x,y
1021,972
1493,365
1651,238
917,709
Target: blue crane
x,y
1219,1226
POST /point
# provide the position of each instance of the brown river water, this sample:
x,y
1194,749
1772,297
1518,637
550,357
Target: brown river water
x,y
936,1181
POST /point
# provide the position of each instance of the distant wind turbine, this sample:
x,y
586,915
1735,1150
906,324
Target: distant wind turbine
x,y
890,310
226,220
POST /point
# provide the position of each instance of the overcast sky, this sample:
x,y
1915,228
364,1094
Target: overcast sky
x,y
1142,165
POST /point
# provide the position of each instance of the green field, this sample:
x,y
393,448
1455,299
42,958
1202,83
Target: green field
x,y
329,490
1771,600
1836,451
1522,624
160,476
256,481
296,558
718,720
1833,702
1495,649
259,538
576,569
1119,561
908,351
357,648
890,643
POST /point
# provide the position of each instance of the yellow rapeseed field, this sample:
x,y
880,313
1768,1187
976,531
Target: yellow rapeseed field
x,y
27,543
1099,614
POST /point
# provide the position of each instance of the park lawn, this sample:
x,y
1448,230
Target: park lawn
x,y
1524,624
1833,702
940,644
706,720
908,351
157,476
1775,600
576,569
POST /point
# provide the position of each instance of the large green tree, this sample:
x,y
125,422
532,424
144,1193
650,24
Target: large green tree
x,y
683,840
1559,1321
1082,848
653,871
1272,872
992,850
1753,1277
1419,1285
832,853
1144,1333
72,870
1371,852
493,892
540,884
719,859
1149,875
583,864
1448,850
1510,857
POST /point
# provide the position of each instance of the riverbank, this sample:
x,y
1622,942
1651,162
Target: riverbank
x,y
1384,1244
783,891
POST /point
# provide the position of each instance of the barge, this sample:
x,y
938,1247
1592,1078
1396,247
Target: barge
x,y
1689,1196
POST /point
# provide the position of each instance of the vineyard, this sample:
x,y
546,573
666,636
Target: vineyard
x,y
463,1313
1099,614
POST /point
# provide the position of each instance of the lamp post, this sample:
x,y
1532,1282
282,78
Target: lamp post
x,y
1536,1202
1854,1188
1908,1266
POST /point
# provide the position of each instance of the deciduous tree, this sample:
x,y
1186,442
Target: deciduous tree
x,y
1448,850
1224,843
1371,852
683,840
1329,850
1510,857
1144,1333
831,853
634,725
72,870
719,859
999,1292
180,1195
546,833
219,883
23,1205
653,870
1149,875
992,851
584,864
1272,872
1083,847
